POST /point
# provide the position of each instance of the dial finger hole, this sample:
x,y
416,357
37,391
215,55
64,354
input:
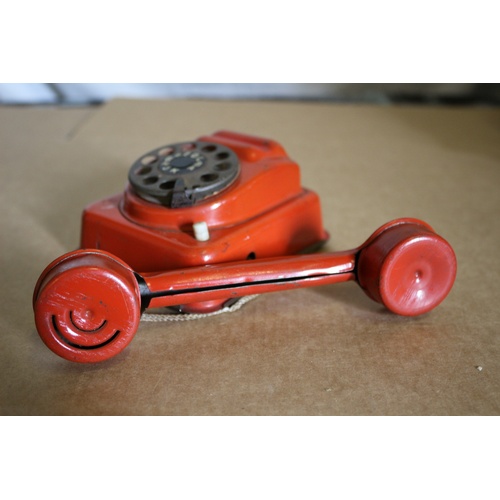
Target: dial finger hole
x,y
150,180
143,170
222,167
166,151
168,185
209,177
148,160
209,148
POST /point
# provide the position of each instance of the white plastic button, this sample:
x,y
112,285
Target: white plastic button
x,y
201,232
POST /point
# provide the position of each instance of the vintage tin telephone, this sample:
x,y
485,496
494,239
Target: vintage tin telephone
x,y
205,222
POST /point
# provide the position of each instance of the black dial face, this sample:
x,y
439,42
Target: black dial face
x,y
182,162
184,174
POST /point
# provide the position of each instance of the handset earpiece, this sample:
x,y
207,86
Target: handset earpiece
x,y
88,303
87,306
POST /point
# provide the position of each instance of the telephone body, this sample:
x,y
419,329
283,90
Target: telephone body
x,y
224,197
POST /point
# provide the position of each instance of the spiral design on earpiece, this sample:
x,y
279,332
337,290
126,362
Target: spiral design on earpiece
x,y
87,306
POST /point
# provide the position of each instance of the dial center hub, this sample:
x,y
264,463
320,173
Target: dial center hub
x,y
182,162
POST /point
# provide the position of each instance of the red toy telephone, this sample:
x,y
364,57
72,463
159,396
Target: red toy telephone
x,y
202,223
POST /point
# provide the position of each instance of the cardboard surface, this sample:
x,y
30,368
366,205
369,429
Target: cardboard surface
x,y
318,351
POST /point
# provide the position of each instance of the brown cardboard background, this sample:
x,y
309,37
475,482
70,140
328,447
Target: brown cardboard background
x,y
323,351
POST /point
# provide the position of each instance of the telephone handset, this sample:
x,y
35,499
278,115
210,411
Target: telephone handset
x,y
145,248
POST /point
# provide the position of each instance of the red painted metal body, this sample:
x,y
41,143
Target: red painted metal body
x,y
138,253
